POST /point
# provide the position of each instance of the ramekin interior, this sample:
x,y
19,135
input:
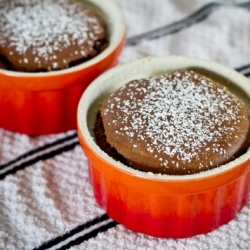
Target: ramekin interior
x,y
111,80
112,16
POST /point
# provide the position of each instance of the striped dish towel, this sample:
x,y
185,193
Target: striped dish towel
x,y
46,201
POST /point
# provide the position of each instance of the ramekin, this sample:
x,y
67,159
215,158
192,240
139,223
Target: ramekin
x,y
163,205
46,103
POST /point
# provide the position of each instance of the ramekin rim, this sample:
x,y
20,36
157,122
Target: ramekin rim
x,y
115,13
93,146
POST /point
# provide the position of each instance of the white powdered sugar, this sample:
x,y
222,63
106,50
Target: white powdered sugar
x,y
45,27
175,116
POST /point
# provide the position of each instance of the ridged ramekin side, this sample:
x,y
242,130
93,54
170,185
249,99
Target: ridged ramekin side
x,y
169,216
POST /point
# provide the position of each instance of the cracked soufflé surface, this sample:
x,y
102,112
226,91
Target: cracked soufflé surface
x,y
179,123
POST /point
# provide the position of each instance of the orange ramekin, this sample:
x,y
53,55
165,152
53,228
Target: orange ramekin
x,y
155,204
46,103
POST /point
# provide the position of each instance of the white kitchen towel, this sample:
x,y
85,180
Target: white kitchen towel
x,y
46,201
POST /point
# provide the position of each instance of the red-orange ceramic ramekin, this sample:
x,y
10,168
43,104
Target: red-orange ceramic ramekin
x,y
45,103
163,205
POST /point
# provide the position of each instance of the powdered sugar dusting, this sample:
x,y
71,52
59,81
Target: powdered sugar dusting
x,y
175,116
46,27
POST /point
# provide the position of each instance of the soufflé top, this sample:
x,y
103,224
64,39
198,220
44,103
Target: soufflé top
x,y
178,123
46,35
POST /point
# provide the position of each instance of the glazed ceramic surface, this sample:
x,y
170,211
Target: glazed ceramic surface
x,y
155,204
45,103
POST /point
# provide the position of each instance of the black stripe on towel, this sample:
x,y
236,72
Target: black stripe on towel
x,y
39,149
245,70
42,153
247,74
88,236
79,234
243,5
177,26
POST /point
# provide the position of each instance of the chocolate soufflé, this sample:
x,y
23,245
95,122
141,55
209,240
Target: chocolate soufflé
x,y
48,35
179,123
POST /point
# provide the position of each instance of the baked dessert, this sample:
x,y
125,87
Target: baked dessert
x,y
165,205
46,35
179,123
